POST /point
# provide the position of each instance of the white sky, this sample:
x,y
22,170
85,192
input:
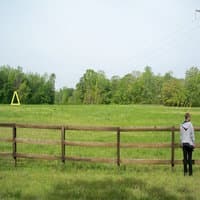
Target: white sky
x,y
66,37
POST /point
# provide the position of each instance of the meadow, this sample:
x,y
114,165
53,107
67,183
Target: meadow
x,y
34,179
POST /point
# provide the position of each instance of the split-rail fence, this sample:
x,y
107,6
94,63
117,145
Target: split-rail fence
x,y
118,145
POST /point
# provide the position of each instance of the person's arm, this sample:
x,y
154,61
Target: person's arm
x,y
181,136
192,134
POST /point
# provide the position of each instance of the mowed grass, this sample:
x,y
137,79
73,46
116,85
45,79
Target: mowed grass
x,y
34,179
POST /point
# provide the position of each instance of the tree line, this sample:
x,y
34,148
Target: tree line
x,y
32,88
95,88
134,88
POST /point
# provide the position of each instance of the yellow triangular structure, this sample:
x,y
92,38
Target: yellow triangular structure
x,y
13,98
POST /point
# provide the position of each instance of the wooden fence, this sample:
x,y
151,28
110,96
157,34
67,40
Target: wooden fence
x,y
118,145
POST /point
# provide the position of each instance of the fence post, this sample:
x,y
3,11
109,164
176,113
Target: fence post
x,y
118,146
14,144
172,147
63,144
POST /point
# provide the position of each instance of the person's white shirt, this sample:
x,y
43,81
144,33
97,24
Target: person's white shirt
x,y
187,133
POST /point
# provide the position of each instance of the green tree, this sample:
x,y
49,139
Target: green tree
x,y
32,88
24,92
114,85
10,80
63,95
93,88
192,86
147,87
173,93
42,88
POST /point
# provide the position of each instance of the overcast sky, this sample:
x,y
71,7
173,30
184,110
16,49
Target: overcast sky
x,y
66,37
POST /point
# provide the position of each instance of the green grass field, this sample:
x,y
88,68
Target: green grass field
x,y
34,179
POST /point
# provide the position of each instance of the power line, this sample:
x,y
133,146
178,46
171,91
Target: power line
x,y
168,41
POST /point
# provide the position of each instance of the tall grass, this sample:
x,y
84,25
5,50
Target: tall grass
x,y
33,179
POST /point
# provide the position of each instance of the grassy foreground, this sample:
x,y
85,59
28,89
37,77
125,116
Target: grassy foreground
x,y
33,179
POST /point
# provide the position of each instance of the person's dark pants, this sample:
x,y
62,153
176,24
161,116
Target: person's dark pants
x,y
187,159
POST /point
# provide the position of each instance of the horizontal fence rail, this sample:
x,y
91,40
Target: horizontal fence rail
x,y
63,143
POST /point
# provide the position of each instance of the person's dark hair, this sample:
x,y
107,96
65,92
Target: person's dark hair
x,y
187,116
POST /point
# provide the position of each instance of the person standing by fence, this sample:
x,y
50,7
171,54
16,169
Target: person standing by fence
x,y
187,138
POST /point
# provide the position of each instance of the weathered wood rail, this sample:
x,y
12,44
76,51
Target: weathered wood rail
x,y
118,145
